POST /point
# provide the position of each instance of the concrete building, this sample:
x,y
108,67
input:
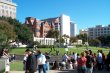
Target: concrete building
x,y
45,41
7,8
72,29
60,23
99,30
65,25
83,31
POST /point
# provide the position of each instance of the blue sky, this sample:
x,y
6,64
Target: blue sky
x,y
85,13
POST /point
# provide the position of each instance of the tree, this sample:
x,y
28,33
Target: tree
x,y
73,39
105,40
83,37
23,33
65,37
52,34
94,42
6,33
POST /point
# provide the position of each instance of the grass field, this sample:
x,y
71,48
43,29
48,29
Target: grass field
x,y
16,66
20,51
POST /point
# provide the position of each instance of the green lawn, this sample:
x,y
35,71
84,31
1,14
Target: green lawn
x,y
16,66
20,51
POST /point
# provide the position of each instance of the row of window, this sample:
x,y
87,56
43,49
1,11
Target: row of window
x,y
6,12
101,29
7,8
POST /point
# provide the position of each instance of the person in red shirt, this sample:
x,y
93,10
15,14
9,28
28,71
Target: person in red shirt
x,y
82,63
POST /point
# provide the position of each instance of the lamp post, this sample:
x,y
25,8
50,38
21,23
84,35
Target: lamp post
x,y
87,38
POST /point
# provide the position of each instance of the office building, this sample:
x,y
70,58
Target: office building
x,y
7,8
60,23
72,29
99,30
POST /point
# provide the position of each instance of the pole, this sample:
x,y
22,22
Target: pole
x,y
59,32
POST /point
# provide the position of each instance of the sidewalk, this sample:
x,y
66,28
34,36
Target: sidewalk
x,y
50,71
66,71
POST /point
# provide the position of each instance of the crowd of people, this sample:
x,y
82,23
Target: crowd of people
x,y
35,61
85,62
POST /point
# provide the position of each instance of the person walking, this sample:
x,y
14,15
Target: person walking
x,y
41,61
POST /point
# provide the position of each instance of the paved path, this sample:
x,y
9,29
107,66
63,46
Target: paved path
x,y
66,71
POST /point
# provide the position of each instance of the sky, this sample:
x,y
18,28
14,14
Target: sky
x,y
85,13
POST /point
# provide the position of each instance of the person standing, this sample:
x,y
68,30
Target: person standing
x,y
89,63
108,61
99,60
30,62
41,61
82,63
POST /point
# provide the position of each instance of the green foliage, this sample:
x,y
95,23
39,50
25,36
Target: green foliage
x,y
73,39
83,37
23,33
6,33
94,42
105,40
52,34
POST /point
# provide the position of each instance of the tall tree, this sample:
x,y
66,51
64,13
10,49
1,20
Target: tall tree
x,y
83,37
23,33
6,33
73,39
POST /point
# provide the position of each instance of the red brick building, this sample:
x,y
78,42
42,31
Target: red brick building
x,y
39,28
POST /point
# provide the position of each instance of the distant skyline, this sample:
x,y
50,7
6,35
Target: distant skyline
x,y
85,13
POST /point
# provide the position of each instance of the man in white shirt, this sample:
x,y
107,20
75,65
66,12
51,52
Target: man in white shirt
x,y
41,59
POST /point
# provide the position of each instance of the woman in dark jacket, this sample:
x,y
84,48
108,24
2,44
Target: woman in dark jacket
x,y
31,63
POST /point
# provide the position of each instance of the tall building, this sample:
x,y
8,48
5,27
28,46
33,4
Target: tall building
x,y
72,29
60,23
65,25
7,8
99,30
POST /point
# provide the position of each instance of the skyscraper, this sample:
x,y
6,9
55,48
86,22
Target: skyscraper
x,y
7,8
72,29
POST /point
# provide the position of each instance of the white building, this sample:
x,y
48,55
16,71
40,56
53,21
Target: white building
x,y
99,30
7,8
45,41
72,29
65,25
